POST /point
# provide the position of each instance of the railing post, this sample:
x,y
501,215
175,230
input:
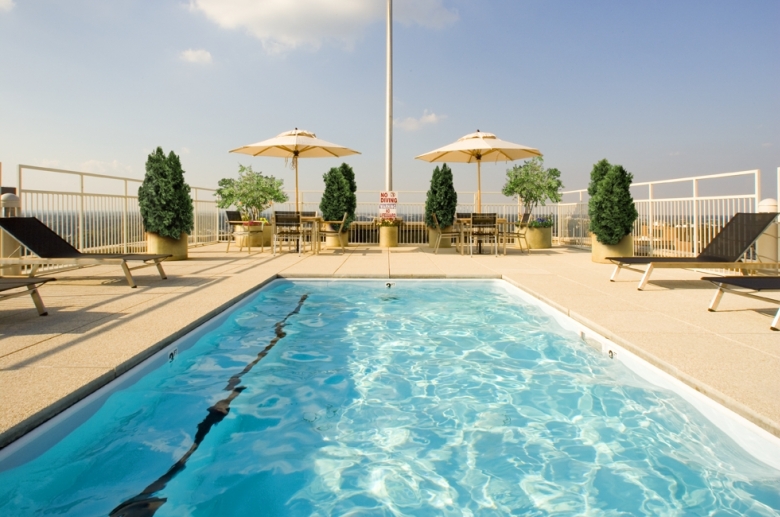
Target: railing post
x,y
650,222
758,188
124,222
695,217
195,230
81,213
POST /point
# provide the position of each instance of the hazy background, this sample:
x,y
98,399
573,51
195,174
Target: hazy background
x,y
666,88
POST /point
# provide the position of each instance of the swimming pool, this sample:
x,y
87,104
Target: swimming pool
x,y
351,398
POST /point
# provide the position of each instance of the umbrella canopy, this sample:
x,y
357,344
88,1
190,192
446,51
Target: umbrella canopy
x,y
295,144
476,147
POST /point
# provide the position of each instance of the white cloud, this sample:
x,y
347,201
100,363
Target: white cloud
x,y
413,124
200,56
112,168
766,144
283,25
185,150
6,5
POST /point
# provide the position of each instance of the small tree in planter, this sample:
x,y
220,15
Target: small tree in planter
x,y
166,205
441,200
251,193
349,175
336,199
612,211
533,185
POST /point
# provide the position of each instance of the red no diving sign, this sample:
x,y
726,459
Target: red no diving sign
x,y
388,203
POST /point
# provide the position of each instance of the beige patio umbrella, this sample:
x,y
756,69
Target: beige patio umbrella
x,y
295,144
476,147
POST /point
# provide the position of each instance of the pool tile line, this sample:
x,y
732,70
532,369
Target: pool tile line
x,y
145,503
714,394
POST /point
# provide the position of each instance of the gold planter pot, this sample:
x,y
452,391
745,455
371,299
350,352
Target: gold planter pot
x,y
159,245
388,236
539,238
599,252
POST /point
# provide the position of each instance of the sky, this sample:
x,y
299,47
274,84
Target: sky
x,y
666,88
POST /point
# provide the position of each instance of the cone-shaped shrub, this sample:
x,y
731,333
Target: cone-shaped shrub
x,y
336,197
611,206
349,175
442,199
164,197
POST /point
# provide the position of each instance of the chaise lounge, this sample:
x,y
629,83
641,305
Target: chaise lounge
x,y
32,284
50,248
754,284
724,252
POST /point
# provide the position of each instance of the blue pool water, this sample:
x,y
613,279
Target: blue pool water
x,y
428,398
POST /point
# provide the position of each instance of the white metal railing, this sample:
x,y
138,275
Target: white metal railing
x,y
96,221
678,225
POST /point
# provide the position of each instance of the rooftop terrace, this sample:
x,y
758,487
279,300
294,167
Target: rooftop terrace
x,y
98,328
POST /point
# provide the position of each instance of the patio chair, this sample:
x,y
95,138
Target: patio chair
x,y
287,228
309,227
32,284
234,219
521,231
50,248
483,226
724,252
334,228
449,234
754,284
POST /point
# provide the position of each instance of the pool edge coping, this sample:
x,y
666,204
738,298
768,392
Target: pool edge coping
x,y
712,393
12,434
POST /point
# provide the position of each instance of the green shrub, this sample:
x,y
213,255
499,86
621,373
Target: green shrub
x,y
533,184
164,197
251,193
442,199
611,206
336,198
349,175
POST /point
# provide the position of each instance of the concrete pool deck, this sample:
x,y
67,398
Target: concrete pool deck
x,y
98,328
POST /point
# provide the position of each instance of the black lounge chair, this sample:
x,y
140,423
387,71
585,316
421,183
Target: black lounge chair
x,y
10,284
724,252
50,248
753,283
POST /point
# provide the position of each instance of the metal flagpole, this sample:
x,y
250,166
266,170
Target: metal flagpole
x,y
389,101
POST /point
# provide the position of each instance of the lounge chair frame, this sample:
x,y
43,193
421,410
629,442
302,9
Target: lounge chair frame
x,y
731,284
29,231
737,236
286,225
326,229
8,284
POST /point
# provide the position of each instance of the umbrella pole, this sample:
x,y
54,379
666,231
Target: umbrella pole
x,y
479,186
296,184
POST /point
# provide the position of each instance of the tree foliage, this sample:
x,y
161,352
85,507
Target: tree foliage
x,y
349,175
336,199
442,199
164,197
611,206
533,184
251,193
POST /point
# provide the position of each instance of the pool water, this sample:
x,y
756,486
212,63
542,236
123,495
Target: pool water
x,y
427,398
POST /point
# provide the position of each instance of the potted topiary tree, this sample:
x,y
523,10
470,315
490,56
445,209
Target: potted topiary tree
x,y
337,199
251,193
612,212
166,206
533,185
441,200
